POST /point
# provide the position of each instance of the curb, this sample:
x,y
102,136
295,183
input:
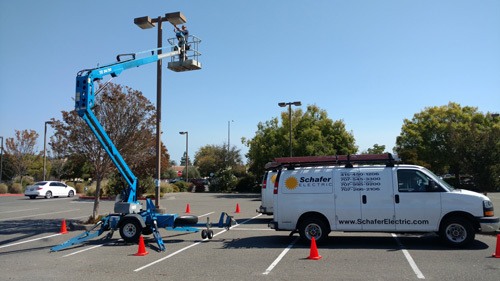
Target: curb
x,y
10,194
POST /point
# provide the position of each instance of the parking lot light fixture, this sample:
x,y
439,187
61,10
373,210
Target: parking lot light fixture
x,y
44,148
187,157
1,159
145,23
289,104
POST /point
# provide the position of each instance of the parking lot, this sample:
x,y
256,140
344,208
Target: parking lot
x,y
248,251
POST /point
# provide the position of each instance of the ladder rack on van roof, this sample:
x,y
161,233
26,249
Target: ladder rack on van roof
x,y
348,160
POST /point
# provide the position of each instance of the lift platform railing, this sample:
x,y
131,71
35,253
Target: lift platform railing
x,y
188,59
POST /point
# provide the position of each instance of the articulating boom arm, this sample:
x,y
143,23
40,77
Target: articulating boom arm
x,y
85,99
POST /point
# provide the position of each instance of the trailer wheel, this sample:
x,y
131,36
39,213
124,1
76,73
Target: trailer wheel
x,y
457,232
313,227
147,231
130,230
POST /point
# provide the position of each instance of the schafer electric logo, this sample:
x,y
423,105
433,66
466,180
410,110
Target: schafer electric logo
x,y
273,178
292,182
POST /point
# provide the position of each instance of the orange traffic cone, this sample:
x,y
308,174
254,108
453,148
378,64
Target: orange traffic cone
x,y
63,227
237,208
142,249
188,209
313,253
496,254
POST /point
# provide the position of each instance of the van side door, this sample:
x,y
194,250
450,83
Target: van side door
x,y
377,198
417,201
347,200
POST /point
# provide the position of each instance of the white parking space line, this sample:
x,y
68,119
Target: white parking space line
x,y
190,246
15,211
45,200
37,215
207,214
27,241
409,258
93,247
278,259
84,250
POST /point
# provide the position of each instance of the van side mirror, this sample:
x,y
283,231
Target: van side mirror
x,y
432,186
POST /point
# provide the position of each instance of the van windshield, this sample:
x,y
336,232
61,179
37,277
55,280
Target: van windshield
x,y
441,181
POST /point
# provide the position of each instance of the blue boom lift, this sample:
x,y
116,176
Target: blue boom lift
x,y
129,217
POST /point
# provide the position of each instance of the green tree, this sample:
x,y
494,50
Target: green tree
x,y
452,139
213,158
376,149
128,118
183,160
313,134
21,151
225,166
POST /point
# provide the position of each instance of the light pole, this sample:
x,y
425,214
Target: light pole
x,y
145,23
1,160
229,140
187,157
44,148
283,104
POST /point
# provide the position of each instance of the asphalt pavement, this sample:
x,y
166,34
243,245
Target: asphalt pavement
x,y
248,251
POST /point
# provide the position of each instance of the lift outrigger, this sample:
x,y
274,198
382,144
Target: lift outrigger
x,y
129,217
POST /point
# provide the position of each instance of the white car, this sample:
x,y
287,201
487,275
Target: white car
x,y
49,189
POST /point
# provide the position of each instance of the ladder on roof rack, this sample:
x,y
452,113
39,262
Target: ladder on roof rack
x,y
348,160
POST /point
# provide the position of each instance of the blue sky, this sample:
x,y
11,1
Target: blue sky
x,y
370,63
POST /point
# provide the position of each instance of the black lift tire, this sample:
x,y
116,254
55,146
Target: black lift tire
x,y
185,220
130,229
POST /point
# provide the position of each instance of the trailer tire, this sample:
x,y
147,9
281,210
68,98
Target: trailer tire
x,y
457,232
185,220
313,227
147,231
130,229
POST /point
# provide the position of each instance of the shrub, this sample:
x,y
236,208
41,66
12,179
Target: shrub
x,y
16,188
168,188
27,180
3,188
248,183
79,187
224,181
90,191
182,185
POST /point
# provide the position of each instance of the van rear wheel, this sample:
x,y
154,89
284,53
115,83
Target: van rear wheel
x,y
313,227
457,232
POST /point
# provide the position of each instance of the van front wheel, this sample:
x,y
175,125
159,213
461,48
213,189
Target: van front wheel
x,y
312,227
457,232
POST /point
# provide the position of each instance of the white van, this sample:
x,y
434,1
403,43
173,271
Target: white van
x,y
315,200
266,195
